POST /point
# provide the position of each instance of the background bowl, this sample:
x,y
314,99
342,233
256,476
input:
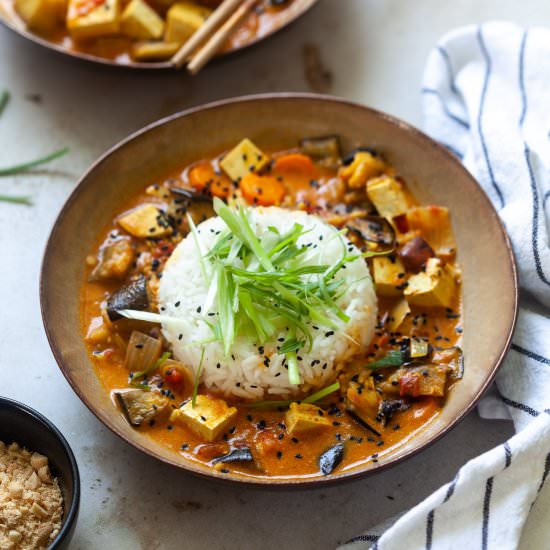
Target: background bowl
x,y
279,121
30,429
12,21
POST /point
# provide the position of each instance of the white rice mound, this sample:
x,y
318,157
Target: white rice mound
x,y
244,374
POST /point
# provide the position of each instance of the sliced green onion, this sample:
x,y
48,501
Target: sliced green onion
x,y
394,358
23,167
16,199
149,317
197,379
313,398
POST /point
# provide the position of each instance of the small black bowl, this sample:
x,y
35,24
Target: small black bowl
x,y
33,431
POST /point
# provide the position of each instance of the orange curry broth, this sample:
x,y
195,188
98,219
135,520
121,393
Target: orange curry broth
x,y
254,427
258,24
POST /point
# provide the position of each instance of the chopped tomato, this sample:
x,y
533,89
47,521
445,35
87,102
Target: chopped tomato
x,y
401,223
204,178
409,385
262,190
173,377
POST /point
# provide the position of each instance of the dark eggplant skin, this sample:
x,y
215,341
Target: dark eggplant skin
x,y
236,455
190,194
330,459
130,296
374,229
363,423
388,408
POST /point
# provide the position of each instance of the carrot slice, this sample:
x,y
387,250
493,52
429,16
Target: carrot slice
x,y
262,190
203,178
295,164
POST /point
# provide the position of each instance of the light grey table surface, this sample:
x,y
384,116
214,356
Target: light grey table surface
x,y
376,50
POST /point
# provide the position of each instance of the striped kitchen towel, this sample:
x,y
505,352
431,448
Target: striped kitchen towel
x,y
486,97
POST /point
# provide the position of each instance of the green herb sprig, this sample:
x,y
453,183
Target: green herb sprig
x,y
313,398
394,358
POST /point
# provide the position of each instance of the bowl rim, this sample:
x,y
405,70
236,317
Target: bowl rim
x,y
287,483
39,418
159,66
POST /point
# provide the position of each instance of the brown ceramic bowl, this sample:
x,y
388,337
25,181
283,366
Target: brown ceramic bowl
x,y
279,121
11,20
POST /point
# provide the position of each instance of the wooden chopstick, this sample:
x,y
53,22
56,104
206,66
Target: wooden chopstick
x,y
218,39
222,12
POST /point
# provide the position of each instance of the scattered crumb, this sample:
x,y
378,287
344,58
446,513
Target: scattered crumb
x,y
31,504
317,75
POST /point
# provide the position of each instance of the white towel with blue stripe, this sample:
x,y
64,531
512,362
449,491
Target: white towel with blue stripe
x,y
486,97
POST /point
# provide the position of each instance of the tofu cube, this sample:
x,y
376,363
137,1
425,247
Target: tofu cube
x,y
363,399
434,225
435,287
41,15
141,21
90,20
210,417
389,274
387,195
154,51
183,20
303,417
398,314
364,167
146,221
243,159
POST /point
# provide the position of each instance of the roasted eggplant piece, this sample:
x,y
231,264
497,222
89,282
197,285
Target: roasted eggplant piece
x,y
236,455
325,150
415,253
331,459
131,296
425,380
453,358
375,231
190,194
388,408
115,259
141,406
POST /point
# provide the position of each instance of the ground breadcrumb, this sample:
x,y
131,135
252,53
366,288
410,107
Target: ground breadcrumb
x,y
31,504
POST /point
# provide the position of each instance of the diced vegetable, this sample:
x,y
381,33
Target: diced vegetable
x,y
423,380
131,296
262,190
398,314
364,167
388,408
142,353
324,150
203,178
178,376
98,331
451,357
436,287
419,348
387,195
236,455
363,400
146,221
183,19
242,160
139,20
141,406
389,275
154,51
295,165
209,418
331,459
303,417
415,253
377,232
115,259
92,20
434,224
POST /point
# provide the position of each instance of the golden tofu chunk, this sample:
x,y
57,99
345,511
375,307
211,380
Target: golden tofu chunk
x,y
154,51
146,221
398,314
364,167
303,417
435,287
42,15
434,225
243,159
389,275
141,21
183,19
209,418
387,195
90,20
115,259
